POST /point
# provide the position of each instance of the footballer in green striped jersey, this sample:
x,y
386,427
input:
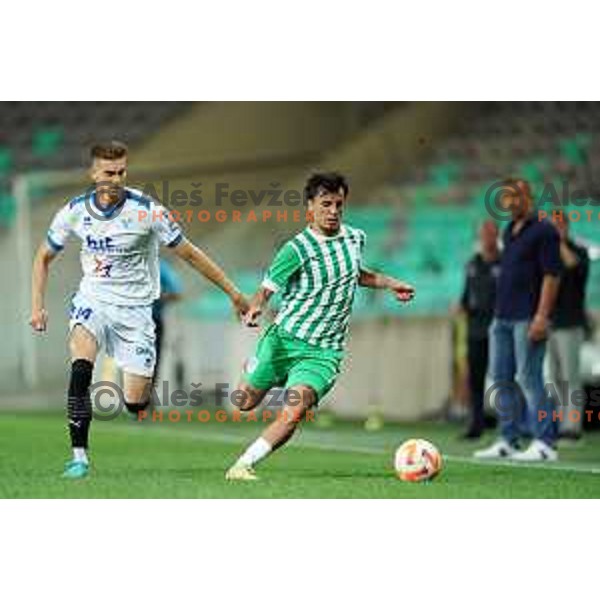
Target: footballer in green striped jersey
x,y
322,272
317,273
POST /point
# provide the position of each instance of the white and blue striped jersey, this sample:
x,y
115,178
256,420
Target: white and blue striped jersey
x,y
119,249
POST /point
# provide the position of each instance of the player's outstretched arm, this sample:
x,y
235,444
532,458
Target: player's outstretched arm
x,y
403,291
39,279
202,263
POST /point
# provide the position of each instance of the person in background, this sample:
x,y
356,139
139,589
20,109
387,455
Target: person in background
x,y
569,321
528,284
477,303
171,291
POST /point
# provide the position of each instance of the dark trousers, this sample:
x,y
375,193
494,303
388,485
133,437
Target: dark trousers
x,y
477,357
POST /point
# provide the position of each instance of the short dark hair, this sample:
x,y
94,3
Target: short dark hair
x,y
111,150
325,182
515,182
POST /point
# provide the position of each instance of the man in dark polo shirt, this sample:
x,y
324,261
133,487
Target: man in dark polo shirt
x,y
526,294
478,302
568,325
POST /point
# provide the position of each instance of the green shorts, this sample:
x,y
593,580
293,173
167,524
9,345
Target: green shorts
x,y
282,360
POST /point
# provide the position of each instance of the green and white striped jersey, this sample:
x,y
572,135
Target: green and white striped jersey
x,y
318,276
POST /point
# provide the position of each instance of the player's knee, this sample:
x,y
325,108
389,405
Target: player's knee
x,y
298,402
300,398
82,345
246,405
246,398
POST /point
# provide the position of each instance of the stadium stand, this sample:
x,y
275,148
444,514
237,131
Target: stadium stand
x,y
53,135
422,225
442,201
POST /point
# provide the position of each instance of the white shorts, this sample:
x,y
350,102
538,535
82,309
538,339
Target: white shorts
x,y
124,332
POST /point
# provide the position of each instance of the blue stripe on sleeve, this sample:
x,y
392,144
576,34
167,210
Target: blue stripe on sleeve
x,y
53,245
176,241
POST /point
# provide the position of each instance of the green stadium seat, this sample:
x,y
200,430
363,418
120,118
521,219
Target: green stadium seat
x,y
534,170
6,161
445,174
47,141
572,150
420,197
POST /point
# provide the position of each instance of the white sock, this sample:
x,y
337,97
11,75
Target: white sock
x,y
254,453
80,454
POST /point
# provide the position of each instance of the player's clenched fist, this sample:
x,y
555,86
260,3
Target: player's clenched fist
x,y
251,317
39,319
256,307
403,291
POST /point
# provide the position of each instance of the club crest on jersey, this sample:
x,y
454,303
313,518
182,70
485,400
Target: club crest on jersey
x,y
250,365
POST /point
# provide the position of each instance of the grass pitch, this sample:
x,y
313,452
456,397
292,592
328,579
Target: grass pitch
x,y
188,460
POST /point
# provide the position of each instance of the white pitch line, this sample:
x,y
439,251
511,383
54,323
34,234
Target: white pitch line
x,y
343,447
548,466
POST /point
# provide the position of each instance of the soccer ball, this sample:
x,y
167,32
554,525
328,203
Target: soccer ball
x,y
417,460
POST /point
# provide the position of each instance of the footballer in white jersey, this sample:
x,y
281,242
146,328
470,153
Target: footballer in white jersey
x,y
119,255
120,231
